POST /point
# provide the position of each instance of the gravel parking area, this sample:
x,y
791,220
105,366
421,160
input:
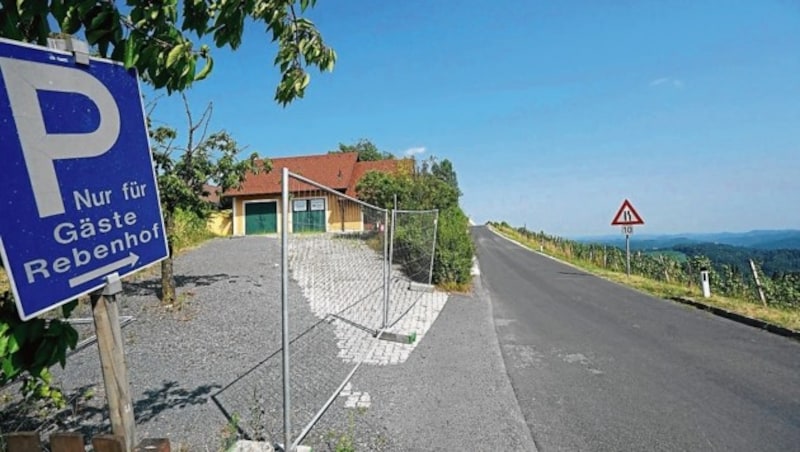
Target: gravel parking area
x,y
223,340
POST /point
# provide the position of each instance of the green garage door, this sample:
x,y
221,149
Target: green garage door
x,y
308,215
260,218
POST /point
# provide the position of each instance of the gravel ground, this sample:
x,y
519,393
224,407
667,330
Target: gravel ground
x,y
217,356
229,320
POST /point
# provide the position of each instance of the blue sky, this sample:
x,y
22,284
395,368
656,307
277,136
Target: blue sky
x,y
552,112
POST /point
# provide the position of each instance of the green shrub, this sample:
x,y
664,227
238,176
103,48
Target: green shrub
x,y
454,249
29,349
190,230
413,240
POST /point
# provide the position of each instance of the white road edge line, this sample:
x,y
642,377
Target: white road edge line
x,y
538,252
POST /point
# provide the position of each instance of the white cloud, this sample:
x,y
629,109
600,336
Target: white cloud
x,y
674,82
411,152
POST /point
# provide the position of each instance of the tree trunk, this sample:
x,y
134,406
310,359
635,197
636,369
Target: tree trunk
x,y
167,274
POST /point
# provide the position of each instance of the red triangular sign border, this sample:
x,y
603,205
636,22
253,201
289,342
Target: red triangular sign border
x,y
619,221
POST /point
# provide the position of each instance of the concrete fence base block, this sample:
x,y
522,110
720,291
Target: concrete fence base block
x,y
300,448
401,338
419,287
251,446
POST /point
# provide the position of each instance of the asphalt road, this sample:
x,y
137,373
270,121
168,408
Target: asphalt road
x,y
597,366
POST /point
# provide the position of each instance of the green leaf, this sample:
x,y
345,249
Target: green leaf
x,y
93,36
59,10
102,47
55,328
62,356
84,6
174,54
13,345
66,309
206,69
129,59
71,22
3,345
9,369
99,19
71,337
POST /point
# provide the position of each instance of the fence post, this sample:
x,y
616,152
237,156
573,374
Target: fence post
x,y
666,274
391,262
758,283
66,442
433,251
109,443
387,266
287,434
23,442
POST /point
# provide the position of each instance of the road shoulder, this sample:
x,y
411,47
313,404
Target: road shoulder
x,y
453,393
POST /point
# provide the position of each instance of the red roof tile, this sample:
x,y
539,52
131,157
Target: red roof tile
x,y
340,171
331,170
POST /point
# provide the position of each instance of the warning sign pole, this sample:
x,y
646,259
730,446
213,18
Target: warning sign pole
x,y
628,254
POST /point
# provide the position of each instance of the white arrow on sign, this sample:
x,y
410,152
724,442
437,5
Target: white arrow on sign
x,y
131,260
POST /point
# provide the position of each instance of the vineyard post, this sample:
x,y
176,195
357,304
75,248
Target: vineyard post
x,y
758,283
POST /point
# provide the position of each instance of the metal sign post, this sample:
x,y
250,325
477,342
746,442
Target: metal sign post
x,y
627,217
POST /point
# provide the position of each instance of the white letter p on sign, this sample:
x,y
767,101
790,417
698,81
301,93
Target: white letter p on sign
x,y
23,79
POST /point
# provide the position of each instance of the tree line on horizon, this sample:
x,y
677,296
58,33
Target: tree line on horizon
x,y
729,273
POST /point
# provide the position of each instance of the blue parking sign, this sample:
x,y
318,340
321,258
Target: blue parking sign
x,y
78,193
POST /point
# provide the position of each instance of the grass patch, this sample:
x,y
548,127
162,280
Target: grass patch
x,y
4,285
455,287
778,315
190,231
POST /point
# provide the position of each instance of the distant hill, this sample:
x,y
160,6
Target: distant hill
x,y
776,251
771,261
761,240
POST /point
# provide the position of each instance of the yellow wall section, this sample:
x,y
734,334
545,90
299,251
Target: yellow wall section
x,y
337,210
345,215
221,223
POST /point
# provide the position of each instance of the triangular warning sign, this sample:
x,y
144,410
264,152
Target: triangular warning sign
x,y
627,215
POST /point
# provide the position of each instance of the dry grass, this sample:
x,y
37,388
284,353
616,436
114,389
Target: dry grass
x,y
454,287
785,317
4,286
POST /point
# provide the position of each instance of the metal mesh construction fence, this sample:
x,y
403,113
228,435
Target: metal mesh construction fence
x,y
336,263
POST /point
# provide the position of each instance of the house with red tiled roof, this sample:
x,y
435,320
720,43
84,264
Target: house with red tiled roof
x,y
314,208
